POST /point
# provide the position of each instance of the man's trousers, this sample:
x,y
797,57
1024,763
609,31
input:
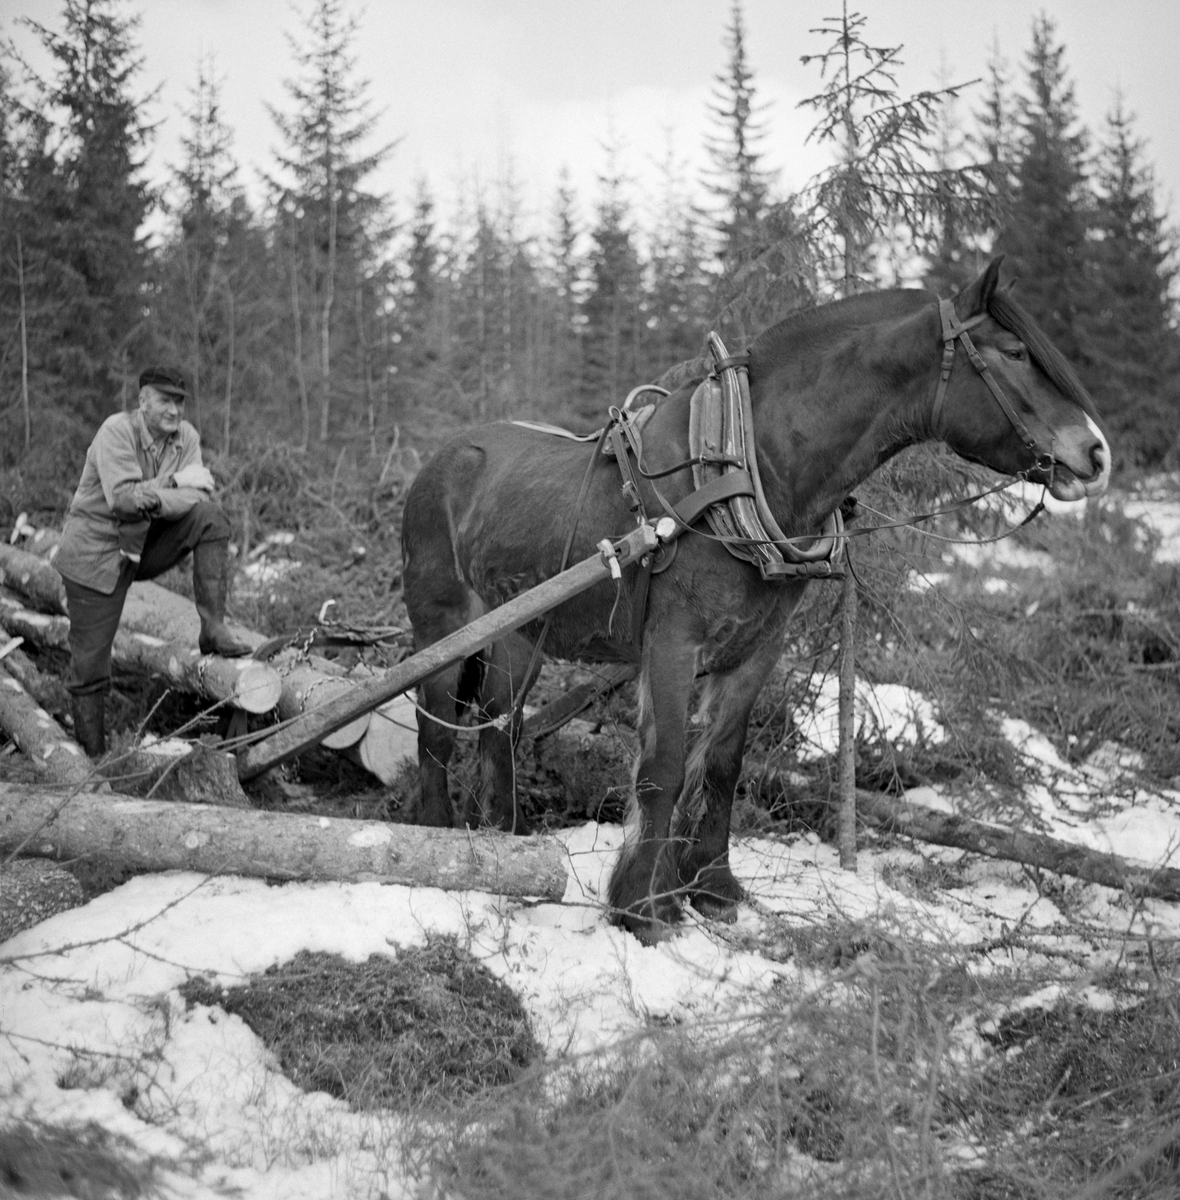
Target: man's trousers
x,y
94,616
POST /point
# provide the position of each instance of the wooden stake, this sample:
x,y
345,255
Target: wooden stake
x,y
847,722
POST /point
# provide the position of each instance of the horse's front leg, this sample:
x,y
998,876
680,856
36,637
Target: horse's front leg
x,y
643,885
702,818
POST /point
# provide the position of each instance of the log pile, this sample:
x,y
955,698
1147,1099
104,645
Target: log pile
x,y
158,636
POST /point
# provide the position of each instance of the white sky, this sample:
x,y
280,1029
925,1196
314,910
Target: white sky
x,y
477,88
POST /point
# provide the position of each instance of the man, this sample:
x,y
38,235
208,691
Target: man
x,y
144,501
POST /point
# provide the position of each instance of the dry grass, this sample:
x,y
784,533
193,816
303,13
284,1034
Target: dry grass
x,y
427,1027
872,1086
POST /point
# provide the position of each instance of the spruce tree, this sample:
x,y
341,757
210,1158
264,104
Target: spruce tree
x,y
1130,342
330,221
884,182
737,178
1044,233
679,290
613,307
84,202
203,264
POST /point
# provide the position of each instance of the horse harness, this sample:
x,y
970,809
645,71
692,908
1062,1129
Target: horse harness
x,y
728,495
724,462
953,332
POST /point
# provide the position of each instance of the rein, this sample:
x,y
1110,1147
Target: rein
x,y
954,331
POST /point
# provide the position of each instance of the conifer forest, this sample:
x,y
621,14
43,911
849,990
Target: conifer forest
x,y
321,316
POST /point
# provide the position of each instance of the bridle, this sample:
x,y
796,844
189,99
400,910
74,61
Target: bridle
x,y
953,331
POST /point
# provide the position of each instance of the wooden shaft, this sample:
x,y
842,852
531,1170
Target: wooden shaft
x,y
314,726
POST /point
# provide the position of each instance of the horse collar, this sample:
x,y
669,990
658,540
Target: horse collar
x,y
953,332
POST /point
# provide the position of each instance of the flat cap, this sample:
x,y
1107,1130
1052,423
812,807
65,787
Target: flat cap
x,y
163,379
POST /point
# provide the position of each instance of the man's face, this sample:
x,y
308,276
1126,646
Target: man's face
x,y
162,411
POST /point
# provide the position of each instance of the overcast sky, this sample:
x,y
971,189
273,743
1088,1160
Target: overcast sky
x,y
477,88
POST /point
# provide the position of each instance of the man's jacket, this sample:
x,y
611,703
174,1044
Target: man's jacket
x,y
126,483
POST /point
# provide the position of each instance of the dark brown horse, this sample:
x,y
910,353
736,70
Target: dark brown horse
x,y
835,392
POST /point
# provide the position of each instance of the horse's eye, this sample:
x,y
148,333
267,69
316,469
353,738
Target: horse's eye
x,y
1016,353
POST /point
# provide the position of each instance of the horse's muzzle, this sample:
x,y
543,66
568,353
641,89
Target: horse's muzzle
x,y
1081,464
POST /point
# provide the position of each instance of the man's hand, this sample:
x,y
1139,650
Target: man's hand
x,y
194,476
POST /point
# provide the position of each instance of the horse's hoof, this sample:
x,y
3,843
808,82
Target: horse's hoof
x,y
714,908
715,892
650,930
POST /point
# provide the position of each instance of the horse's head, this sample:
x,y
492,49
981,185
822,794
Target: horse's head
x,y
1012,401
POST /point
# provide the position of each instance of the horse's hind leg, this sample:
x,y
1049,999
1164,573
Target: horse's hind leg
x,y
441,699
714,764
506,682
644,883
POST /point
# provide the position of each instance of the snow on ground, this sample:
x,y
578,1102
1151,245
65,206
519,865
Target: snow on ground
x,y
91,1015
89,998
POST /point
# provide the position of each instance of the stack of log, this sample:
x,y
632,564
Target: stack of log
x,y
158,636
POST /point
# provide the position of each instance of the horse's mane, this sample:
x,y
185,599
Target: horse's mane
x,y
1018,321
813,326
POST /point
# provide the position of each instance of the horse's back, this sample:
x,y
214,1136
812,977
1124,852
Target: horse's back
x,y
490,513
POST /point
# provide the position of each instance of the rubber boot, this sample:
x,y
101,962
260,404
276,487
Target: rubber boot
x,y
210,587
89,723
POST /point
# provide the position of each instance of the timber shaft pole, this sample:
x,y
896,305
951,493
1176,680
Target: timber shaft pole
x,y
313,726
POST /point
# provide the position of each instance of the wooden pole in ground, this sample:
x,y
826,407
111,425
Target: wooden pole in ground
x,y
154,835
847,723
312,727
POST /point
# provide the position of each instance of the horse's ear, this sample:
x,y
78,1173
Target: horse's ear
x,y
975,296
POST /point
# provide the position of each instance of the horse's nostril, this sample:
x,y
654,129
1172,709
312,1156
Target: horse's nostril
x,y
1098,457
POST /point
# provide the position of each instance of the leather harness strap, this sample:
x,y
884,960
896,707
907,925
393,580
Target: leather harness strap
x,y
954,331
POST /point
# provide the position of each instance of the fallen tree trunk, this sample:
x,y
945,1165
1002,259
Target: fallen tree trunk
x,y
40,737
1017,845
32,577
47,690
243,682
160,836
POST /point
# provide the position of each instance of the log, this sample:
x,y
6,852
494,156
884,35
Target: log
x,y
40,737
1018,845
47,690
32,577
311,729
391,740
245,683
305,682
150,835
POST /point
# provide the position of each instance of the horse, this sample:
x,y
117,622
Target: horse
x,y
835,391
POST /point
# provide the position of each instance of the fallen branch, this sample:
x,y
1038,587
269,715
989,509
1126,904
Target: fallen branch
x,y
1017,845
149,835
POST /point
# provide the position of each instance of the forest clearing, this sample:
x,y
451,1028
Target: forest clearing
x,y
838,854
